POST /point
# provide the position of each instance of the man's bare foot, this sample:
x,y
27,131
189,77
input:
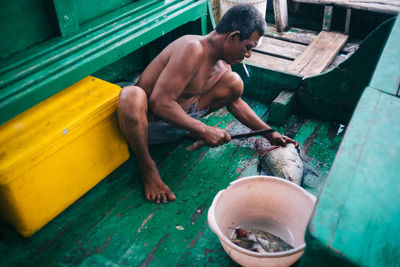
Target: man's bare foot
x,y
155,189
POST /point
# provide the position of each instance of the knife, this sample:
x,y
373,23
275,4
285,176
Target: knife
x,y
200,143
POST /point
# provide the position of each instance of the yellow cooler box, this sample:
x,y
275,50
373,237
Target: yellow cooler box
x,y
53,153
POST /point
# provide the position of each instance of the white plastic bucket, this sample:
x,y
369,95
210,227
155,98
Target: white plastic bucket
x,y
272,204
261,5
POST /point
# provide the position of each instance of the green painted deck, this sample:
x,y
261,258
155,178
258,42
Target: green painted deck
x,y
113,225
356,220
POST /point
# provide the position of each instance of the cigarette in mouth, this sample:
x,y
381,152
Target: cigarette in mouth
x,y
245,69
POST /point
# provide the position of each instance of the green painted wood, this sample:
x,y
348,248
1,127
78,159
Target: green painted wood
x,y
356,219
357,216
67,16
281,107
333,95
92,9
113,224
387,76
34,81
266,84
23,23
37,51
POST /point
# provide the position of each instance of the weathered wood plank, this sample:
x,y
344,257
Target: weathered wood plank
x,y
302,36
382,6
280,48
336,61
270,62
281,15
319,54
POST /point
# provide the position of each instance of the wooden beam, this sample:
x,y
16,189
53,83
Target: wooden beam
x,y
281,15
382,6
319,54
66,16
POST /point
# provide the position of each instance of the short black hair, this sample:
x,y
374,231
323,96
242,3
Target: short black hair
x,y
244,18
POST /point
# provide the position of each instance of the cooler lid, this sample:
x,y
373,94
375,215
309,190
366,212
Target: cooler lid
x,y
27,135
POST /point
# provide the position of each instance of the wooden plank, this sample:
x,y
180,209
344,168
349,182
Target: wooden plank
x,y
319,54
337,61
382,6
280,48
302,36
281,15
269,62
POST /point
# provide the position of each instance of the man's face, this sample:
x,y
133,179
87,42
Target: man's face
x,y
236,50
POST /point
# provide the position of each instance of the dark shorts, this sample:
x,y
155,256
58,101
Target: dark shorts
x,y
160,132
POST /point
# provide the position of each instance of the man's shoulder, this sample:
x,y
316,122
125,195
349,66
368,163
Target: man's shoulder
x,y
188,44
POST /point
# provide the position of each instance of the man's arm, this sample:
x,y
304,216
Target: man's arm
x,y
172,81
248,117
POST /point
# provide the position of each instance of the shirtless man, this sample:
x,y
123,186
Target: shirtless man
x,y
189,78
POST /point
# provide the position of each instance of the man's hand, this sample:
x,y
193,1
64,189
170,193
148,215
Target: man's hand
x,y
277,139
214,136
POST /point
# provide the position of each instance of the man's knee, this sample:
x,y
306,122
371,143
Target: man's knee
x,y
234,83
132,99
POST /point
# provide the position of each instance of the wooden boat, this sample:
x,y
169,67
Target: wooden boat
x,y
345,120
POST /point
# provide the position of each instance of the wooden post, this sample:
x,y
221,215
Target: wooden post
x,y
347,25
326,24
281,15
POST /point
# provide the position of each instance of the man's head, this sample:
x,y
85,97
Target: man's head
x,y
243,25
244,18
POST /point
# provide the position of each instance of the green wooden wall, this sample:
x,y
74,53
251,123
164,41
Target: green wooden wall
x,y
24,23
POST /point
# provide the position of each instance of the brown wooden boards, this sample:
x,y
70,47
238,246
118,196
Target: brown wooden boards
x,y
319,54
302,36
269,62
280,48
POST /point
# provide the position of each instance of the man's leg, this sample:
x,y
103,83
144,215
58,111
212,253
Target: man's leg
x,y
132,108
227,89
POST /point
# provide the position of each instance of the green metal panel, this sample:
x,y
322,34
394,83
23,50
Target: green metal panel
x,y
387,78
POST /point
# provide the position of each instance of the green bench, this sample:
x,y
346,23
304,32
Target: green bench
x,y
356,221
84,44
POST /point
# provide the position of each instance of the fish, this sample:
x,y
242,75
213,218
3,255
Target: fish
x,y
284,162
259,240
